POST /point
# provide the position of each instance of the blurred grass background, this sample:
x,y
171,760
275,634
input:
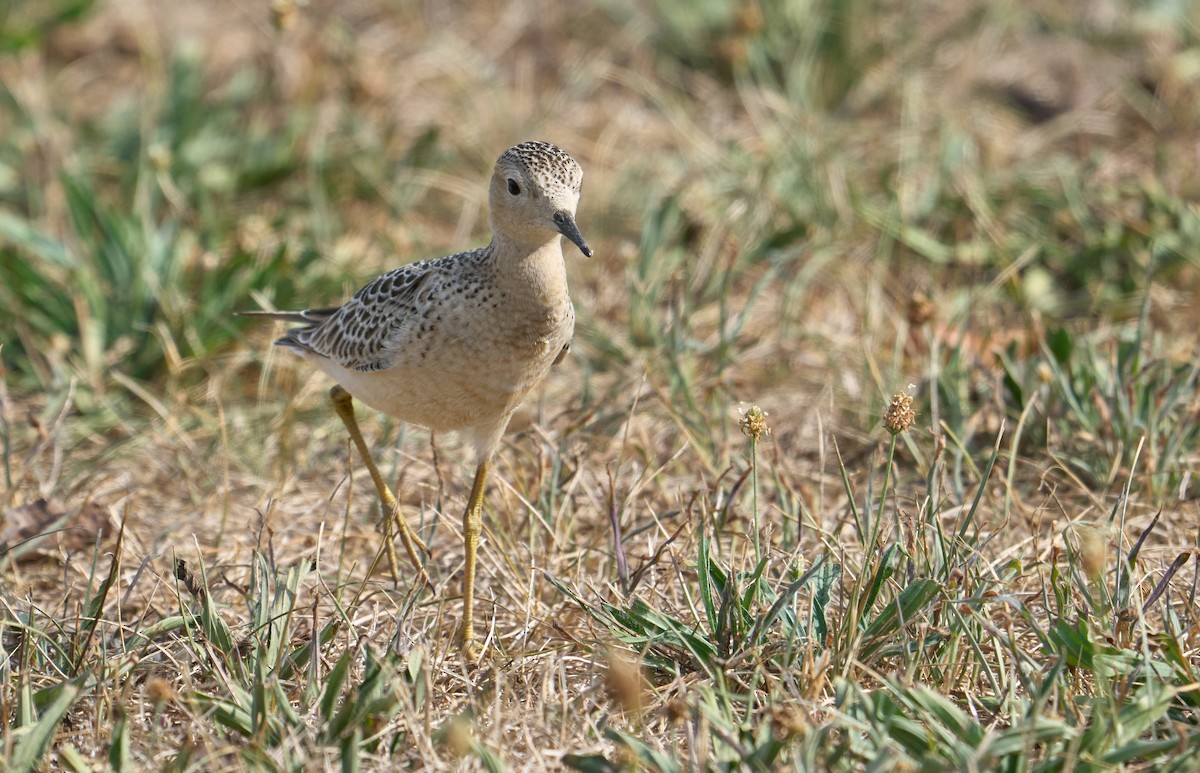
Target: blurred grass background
x,y
805,205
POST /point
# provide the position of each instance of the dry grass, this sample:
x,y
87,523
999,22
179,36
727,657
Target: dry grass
x,y
800,207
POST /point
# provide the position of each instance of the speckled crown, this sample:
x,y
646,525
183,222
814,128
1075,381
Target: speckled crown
x,y
545,161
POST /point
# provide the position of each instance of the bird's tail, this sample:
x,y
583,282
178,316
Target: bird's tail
x,y
307,316
296,338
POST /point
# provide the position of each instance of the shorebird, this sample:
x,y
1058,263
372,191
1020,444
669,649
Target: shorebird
x,y
456,343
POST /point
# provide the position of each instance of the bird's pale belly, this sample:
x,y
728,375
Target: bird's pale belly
x,y
446,389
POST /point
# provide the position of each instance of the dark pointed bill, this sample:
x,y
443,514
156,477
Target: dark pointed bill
x,y
566,226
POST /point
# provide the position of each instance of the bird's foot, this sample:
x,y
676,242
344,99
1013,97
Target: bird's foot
x,y
470,648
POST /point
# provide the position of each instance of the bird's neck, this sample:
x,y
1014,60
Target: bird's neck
x,y
537,266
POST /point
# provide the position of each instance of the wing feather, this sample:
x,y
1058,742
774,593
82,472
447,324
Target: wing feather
x,y
365,332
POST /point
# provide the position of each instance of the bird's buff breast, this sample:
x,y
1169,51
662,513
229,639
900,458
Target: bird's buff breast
x,y
467,379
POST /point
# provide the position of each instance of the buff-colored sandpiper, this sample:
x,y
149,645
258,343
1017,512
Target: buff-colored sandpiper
x,y
455,344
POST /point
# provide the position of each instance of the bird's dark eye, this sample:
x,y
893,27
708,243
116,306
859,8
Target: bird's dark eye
x,y
513,188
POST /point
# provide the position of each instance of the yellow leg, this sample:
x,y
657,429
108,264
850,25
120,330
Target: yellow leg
x,y
472,525
344,405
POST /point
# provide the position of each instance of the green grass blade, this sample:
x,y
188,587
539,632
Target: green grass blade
x,y
31,747
904,610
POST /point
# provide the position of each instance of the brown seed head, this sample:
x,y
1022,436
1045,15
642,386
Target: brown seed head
x,y
623,681
788,722
456,736
160,157
899,416
627,759
749,18
754,423
1087,545
731,50
920,309
158,691
283,14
